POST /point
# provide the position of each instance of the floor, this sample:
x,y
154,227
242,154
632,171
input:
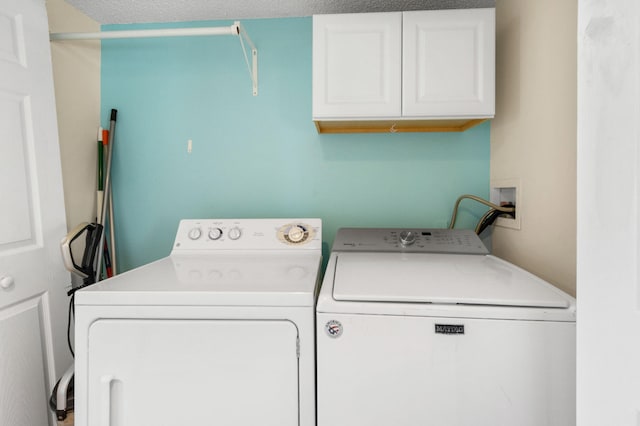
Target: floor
x,y
68,421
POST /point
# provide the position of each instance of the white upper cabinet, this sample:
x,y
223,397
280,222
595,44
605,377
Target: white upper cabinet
x,y
448,63
403,71
357,62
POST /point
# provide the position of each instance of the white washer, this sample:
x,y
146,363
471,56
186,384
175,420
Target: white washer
x,y
422,327
219,332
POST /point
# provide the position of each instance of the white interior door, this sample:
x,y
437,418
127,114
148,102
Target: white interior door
x,y
608,214
32,221
192,372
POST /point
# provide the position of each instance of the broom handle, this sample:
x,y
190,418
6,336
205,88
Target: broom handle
x,y
112,235
107,190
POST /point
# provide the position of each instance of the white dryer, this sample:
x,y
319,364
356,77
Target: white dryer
x,y
423,327
219,332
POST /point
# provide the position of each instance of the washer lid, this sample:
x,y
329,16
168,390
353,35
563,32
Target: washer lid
x,y
440,279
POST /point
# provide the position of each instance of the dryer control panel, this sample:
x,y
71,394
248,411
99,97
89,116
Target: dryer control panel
x,y
460,241
248,234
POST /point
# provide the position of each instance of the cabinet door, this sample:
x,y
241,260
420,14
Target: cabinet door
x,y
449,63
357,65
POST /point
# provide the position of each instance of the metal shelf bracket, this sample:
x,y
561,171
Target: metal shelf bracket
x,y
253,68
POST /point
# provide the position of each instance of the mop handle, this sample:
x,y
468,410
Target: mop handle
x,y
107,189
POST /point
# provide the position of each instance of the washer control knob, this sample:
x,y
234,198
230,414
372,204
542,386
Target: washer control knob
x,y
215,233
195,233
234,233
296,234
407,238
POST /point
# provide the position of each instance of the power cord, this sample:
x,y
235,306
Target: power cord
x,y
53,399
69,321
489,217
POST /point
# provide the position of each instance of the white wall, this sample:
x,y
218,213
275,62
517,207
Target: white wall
x,y
76,73
533,137
608,371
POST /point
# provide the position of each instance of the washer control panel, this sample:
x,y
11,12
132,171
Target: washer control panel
x,y
248,234
462,241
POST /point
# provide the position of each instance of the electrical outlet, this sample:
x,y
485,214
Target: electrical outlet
x,y
505,191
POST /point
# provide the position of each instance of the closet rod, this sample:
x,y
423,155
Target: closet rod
x,y
234,29
167,32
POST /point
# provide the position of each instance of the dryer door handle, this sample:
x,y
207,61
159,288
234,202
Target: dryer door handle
x,y
105,399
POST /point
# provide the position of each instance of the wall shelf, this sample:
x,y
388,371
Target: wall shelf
x,y
396,126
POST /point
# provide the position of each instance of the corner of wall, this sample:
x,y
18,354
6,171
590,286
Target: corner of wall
x,y
533,137
76,73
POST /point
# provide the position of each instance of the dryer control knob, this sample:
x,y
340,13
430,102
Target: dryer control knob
x,y
195,233
215,233
297,234
234,233
407,238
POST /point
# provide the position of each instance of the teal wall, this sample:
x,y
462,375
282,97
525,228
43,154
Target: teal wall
x,y
261,156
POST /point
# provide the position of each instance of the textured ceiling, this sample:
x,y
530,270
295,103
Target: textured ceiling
x,y
138,11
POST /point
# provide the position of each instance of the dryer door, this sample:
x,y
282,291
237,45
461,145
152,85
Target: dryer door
x,y
192,372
